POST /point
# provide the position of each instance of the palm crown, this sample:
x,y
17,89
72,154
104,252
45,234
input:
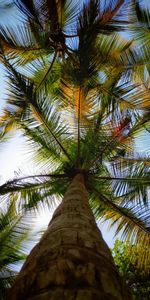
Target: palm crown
x,y
78,118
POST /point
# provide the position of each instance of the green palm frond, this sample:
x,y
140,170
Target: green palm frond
x,y
130,221
14,243
20,45
32,109
47,12
143,18
140,31
29,9
134,181
46,75
33,191
47,20
99,18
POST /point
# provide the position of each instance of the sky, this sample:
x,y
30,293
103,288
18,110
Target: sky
x,y
14,156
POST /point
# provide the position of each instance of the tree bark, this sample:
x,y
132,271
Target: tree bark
x,y
71,261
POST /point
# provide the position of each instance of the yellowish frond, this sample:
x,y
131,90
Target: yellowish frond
x,y
77,97
9,127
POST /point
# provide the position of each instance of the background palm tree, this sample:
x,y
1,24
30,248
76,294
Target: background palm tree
x,y
136,278
14,233
80,122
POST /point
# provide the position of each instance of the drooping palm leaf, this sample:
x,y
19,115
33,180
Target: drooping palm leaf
x,y
14,242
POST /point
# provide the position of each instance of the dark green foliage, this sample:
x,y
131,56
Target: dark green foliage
x,y
136,278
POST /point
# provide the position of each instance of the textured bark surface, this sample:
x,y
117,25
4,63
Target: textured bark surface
x,y
72,261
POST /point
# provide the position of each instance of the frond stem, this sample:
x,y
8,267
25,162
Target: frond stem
x,y
50,67
79,116
10,185
42,120
122,179
117,98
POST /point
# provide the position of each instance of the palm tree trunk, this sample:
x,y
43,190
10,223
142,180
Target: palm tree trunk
x,y
72,261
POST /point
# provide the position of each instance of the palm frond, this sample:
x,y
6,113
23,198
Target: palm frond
x,y
32,191
14,241
31,108
140,29
28,8
19,44
131,221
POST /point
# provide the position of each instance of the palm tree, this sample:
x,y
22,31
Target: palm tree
x,y
80,122
88,159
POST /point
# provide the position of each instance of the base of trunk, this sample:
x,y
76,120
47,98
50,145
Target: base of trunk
x,y
76,274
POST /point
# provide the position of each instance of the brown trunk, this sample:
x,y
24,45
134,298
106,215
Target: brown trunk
x,y
72,261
